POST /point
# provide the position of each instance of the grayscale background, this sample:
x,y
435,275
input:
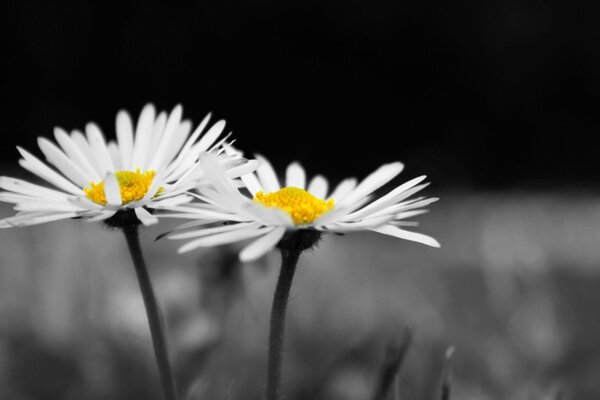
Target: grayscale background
x,y
496,101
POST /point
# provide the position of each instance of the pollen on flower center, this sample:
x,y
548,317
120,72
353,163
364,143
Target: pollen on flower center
x,y
303,207
133,186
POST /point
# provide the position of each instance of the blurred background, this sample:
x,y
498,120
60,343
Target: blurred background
x,y
495,101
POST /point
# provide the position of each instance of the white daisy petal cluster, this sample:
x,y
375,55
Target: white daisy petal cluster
x,y
152,164
274,209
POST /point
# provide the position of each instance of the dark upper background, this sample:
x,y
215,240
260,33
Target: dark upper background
x,y
495,94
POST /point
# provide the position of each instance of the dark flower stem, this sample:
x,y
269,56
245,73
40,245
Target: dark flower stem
x,y
153,313
289,260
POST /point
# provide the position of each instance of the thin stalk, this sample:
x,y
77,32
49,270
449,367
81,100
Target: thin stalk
x,y
153,313
446,385
289,260
391,367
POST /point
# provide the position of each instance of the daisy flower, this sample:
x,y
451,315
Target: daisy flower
x,y
298,212
150,165
292,218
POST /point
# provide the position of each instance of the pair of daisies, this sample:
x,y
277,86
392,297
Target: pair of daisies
x,y
158,167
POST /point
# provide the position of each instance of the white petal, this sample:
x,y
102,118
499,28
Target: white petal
x,y
171,201
405,206
115,156
81,142
76,154
166,138
187,174
228,162
212,230
405,223
230,150
30,189
374,181
402,234
125,138
63,163
176,142
260,246
18,198
187,225
181,214
9,197
112,192
157,181
158,129
318,187
145,217
102,215
46,206
223,146
28,219
216,199
343,189
358,225
84,202
334,215
180,168
224,238
171,166
215,174
99,149
192,139
252,183
143,136
244,169
339,213
271,216
35,166
207,140
267,176
295,176
400,193
409,214
210,215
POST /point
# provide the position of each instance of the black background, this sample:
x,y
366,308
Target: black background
x,y
488,94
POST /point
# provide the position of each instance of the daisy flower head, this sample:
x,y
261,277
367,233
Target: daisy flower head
x,y
150,165
293,215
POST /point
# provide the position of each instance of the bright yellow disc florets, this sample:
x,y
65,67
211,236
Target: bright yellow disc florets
x,y
302,206
133,185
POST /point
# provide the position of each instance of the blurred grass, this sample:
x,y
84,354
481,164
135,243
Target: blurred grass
x,y
515,288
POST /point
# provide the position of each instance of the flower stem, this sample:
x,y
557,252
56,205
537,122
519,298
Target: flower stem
x,y
289,260
153,313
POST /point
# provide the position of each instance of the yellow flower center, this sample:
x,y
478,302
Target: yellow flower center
x,y
133,186
302,206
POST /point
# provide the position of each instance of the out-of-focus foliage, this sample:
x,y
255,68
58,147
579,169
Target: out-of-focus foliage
x,y
514,289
